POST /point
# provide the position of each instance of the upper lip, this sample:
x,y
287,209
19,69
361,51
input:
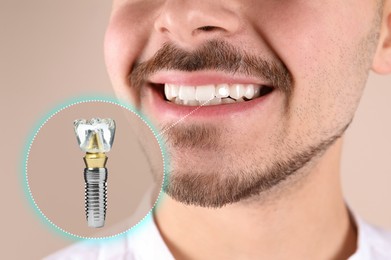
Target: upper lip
x,y
199,78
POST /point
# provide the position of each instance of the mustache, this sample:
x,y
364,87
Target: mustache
x,y
215,55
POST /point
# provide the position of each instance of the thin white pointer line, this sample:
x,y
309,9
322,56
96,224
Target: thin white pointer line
x,y
183,118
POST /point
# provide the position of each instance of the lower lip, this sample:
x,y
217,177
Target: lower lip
x,y
163,108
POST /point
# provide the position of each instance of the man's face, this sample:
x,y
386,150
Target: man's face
x,y
307,62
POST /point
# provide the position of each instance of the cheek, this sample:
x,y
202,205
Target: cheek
x,y
128,32
320,44
123,41
316,36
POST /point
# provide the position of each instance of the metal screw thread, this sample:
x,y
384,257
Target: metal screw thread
x,y
95,196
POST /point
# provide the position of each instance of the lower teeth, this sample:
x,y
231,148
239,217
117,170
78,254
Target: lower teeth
x,y
215,101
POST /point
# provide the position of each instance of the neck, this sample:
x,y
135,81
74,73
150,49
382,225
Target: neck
x,y
307,221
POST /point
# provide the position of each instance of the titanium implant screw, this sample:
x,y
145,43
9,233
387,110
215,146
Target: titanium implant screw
x,y
95,196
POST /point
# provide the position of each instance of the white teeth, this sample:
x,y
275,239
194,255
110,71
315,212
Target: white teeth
x,y
205,93
178,101
175,90
215,101
191,102
171,91
187,92
236,91
211,94
168,92
249,92
222,90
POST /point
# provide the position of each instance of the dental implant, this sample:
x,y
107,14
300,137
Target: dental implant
x,y
95,137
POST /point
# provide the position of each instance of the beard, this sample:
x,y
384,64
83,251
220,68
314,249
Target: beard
x,y
225,181
206,172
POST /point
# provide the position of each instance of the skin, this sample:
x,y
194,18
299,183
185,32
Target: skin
x,y
328,48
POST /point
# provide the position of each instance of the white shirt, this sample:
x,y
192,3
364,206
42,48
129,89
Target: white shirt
x,y
373,243
146,243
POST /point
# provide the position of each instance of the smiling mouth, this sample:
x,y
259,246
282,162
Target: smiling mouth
x,y
213,94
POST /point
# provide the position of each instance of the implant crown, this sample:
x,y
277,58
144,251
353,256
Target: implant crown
x,y
95,135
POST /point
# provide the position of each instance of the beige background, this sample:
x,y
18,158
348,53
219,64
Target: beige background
x,y
52,50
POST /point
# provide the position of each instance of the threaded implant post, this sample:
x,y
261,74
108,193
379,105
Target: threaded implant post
x,y
95,196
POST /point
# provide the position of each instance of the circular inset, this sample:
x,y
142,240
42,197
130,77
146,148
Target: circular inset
x,y
58,168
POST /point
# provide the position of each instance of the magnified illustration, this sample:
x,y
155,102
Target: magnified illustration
x,y
95,138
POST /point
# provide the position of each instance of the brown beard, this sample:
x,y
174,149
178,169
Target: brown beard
x,y
217,189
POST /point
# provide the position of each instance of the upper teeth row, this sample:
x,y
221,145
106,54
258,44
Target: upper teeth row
x,y
208,92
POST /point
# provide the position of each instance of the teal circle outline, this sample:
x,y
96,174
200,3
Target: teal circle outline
x,y
37,127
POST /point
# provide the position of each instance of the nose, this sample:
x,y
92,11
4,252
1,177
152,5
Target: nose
x,y
189,21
